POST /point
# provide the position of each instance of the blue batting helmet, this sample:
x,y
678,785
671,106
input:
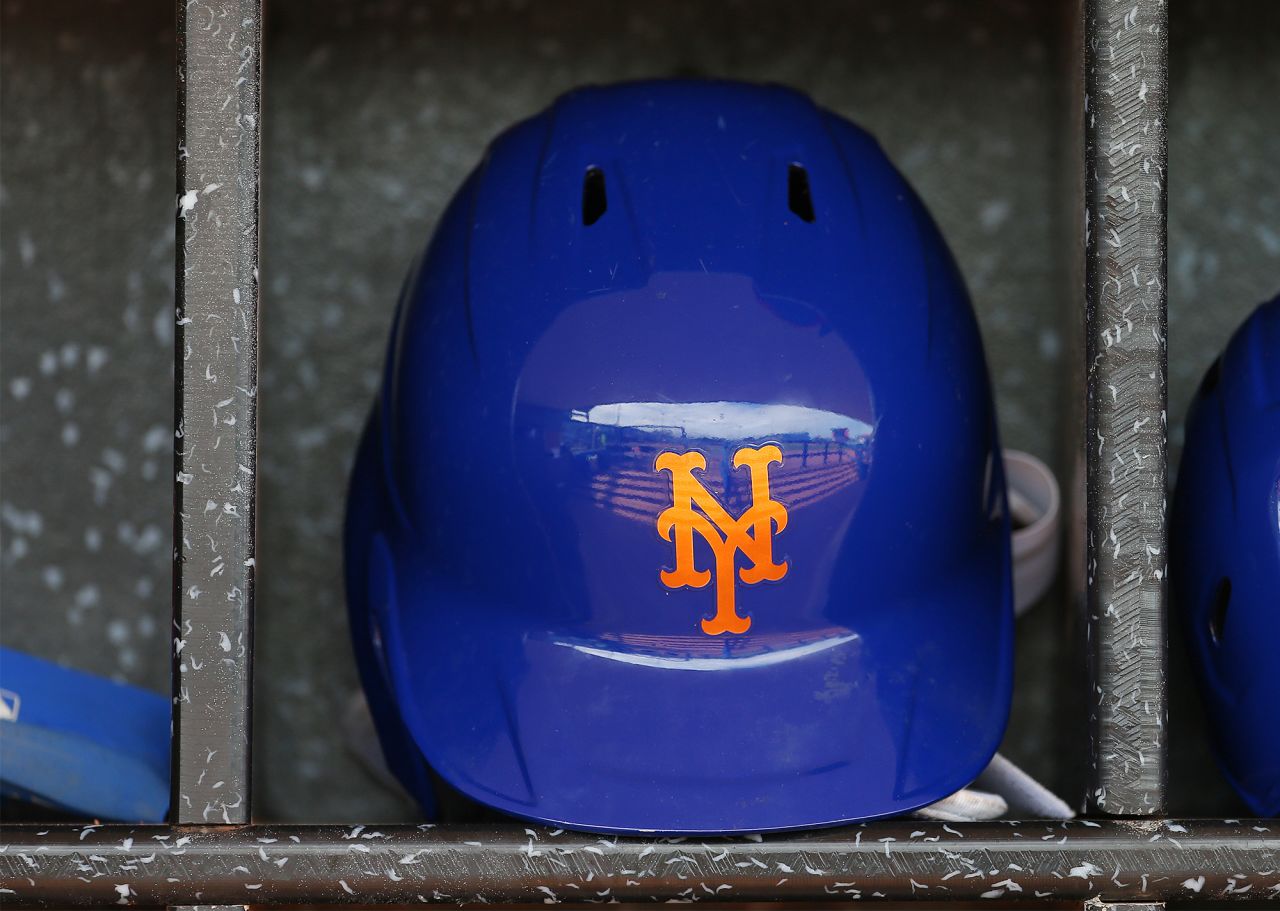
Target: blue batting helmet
x,y
1226,547
681,508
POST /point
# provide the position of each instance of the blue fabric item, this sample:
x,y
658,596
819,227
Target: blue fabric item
x,y
82,743
681,508
1226,554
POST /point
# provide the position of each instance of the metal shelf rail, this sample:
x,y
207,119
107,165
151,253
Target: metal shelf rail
x,y
211,854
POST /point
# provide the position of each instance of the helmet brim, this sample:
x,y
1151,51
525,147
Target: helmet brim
x,y
710,734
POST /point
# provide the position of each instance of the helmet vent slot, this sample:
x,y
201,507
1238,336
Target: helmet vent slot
x,y
799,199
1218,611
594,200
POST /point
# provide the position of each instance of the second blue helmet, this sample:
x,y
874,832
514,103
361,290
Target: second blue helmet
x,y
1226,545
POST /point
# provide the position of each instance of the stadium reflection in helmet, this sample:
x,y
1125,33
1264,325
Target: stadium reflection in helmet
x,y
681,507
1226,550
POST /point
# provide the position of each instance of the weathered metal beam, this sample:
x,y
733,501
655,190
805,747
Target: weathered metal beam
x,y
1126,76
216,436
1114,861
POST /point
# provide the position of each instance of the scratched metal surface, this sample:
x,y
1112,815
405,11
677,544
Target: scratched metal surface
x,y
1193,862
1126,51
216,448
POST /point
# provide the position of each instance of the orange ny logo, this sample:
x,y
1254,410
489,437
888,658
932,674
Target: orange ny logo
x,y
694,509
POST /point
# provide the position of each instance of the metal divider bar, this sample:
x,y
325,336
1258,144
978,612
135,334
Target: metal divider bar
x,y
1029,862
216,438
1126,75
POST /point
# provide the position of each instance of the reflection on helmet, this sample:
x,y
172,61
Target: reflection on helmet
x,y
681,509
1226,545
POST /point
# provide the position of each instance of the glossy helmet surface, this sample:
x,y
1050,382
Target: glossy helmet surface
x,y
1226,547
681,508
